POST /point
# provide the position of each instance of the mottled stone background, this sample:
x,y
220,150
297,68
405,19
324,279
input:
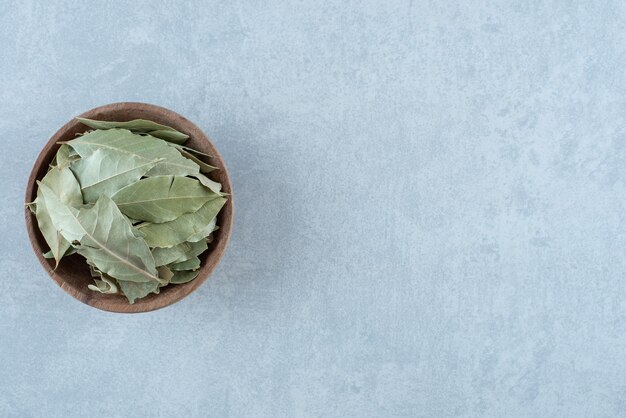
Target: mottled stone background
x,y
430,207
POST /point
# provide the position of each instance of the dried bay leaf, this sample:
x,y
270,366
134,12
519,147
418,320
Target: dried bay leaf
x,y
48,255
186,276
214,186
178,253
64,186
169,234
204,232
105,285
106,171
137,290
195,249
94,271
141,146
65,156
204,167
32,206
140,125
64,217
104,236
134,290
190,150
169,136
191,264
161,198
125,173
165,274
164,256
111,245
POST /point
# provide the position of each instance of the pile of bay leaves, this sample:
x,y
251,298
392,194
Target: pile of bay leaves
x,y
133,201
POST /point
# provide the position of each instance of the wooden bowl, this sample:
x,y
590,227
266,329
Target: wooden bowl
x,y
72,274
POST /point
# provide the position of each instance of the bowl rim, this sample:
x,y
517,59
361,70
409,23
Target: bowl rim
x,y
118,303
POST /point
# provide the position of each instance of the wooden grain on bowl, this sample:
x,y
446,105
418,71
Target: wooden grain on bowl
x,y
72,274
